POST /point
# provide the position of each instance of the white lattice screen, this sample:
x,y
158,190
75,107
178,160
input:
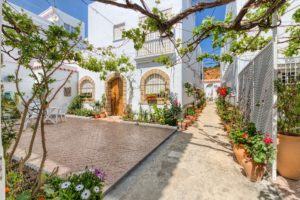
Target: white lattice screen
x,y
256,90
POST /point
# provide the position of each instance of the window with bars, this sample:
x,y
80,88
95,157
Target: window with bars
x,y
118,30
155,84
87,89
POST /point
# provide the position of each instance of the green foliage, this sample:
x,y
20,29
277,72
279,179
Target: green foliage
x,y
288,105
190,111
83,112
261,149
165,60
75,104
293,48
9,116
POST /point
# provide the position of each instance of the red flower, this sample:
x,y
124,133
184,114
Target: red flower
x,y
267,135
245,135
268,141
7,189
42,198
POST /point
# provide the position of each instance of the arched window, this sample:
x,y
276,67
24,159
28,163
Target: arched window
x,y
155,84
87,88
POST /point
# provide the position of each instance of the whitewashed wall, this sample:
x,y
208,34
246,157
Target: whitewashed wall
x,y
210,89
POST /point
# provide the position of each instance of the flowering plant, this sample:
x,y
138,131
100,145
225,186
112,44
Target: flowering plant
x,y
223,91
261,148
85,185
240,137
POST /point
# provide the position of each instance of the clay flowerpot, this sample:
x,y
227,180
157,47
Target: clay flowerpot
x,y
102,115
288,161
227,127
239,152
253,170
188,122
182,126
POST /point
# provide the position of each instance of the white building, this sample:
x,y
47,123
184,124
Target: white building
x,y
210,88
149,77
46,18
287,68
105,29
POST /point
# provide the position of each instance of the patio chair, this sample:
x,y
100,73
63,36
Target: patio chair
x,y
62,112
52,115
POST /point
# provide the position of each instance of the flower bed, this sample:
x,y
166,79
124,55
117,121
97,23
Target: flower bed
x,y
87,184
253,149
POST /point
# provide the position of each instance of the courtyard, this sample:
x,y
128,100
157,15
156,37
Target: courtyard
x,y
111,146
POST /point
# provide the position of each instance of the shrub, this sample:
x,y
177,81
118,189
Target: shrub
x,y
82,112
75,104
288,105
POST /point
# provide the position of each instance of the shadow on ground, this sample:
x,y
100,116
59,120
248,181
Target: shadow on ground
x,y
148,180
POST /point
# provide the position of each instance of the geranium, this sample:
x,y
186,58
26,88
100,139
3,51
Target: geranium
x,y
245,135
42,198
268,141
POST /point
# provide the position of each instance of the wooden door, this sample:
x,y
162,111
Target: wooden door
x,y
117,97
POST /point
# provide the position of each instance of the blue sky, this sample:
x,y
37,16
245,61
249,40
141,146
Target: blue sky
x,y
78,9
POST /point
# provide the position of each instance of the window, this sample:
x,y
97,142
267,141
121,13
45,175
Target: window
x,y
69,28
155,84
118,30
155,87
67,91
87,89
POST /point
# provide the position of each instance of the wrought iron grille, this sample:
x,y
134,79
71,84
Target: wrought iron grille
x,y
155,84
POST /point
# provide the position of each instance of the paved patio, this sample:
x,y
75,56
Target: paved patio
x,y
113,147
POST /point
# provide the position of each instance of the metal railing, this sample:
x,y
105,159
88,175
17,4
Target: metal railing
x,y
156,47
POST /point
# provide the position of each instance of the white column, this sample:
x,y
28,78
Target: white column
x,y
274,111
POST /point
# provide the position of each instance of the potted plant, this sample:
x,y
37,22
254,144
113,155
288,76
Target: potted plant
x,y
288,149
239,139
151,97
260,152
182,125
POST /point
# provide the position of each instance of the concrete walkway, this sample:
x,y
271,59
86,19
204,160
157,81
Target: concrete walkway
x,y
194,165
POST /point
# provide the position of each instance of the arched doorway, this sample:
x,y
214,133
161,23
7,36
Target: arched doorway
x,y
116,95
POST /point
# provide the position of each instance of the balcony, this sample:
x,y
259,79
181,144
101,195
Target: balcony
x,y
154,48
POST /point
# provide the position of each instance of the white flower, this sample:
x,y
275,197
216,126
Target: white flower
x,y
79,187
85,194
96,189
65,185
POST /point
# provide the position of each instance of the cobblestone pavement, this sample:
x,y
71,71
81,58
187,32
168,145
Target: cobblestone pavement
x,y
77,143
194,165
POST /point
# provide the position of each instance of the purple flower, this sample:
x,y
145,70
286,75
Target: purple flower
x,y
100,174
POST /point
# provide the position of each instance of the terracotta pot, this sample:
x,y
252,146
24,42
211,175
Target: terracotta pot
x,y
288,160
182,126
253,170
188,122
239,152
102,115
227,128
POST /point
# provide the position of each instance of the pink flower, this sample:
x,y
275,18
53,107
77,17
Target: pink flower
x,y
267,135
